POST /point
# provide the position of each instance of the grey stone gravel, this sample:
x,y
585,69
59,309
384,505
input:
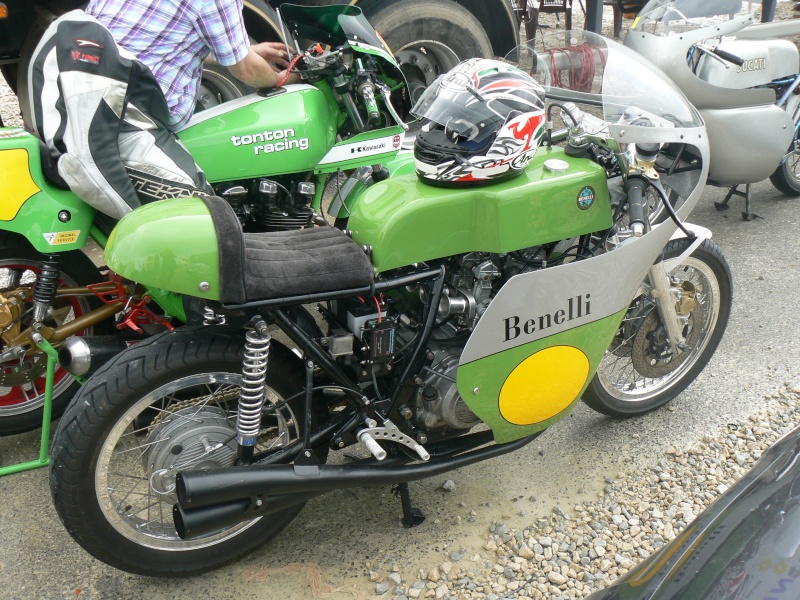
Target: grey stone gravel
x,y
580,550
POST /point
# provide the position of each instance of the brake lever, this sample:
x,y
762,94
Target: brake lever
x,y
386,95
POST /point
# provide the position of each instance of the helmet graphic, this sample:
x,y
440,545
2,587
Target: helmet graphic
x,y
482,122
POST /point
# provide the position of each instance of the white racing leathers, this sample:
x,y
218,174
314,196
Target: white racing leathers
x,y
103,118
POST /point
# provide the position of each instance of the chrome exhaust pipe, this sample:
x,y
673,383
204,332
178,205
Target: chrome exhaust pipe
x,y
81,356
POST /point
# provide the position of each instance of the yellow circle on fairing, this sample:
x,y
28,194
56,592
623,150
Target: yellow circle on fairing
x,y
543,385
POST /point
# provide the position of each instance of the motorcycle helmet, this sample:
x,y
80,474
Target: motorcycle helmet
x,y
482,122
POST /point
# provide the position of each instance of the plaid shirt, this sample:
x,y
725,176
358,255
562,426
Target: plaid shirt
x,y
173,37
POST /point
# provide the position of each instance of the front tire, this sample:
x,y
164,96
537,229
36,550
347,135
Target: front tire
x,y
153,410
786,177
637,374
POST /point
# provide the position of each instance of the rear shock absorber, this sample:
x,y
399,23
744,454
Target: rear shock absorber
x,y
44,291
251,396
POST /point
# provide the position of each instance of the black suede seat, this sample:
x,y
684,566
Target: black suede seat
x,y
264,266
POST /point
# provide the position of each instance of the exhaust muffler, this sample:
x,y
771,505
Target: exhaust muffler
x,y
209,500
82,356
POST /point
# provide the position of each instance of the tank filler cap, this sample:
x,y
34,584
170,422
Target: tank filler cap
x,y
556,165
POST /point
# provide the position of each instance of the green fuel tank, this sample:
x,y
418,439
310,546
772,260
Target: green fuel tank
x,y
406,221
287,131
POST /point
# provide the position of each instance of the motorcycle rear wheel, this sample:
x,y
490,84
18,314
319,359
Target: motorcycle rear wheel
x,y
22,384
631,380
161,403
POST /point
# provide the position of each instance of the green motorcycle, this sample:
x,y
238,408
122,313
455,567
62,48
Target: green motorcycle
x,y
474,297
269,155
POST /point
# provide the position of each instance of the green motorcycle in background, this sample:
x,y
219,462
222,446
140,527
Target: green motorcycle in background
x,y
464,304
268,155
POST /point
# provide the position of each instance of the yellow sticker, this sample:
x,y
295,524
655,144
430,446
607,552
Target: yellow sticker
x,y
16,183
63,237
635,22
543,385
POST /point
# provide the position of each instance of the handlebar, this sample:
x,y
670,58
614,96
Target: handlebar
x,y
732,58
637,205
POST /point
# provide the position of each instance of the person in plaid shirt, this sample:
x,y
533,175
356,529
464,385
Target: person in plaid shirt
x,y
109,87
173,37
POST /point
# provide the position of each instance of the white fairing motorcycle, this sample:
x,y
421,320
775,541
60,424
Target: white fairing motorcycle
x,y
741,77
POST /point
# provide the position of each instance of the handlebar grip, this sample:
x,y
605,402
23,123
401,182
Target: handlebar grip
x,y
731,58
637,211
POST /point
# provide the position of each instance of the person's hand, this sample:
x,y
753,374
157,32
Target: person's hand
x,y
273,52
293,78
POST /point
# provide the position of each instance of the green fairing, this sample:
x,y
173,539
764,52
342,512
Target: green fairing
x,y
489,374
233,145
38,217
406,221
170,244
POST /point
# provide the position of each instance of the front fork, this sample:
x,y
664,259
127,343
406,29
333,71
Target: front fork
x,y
662,292
665,303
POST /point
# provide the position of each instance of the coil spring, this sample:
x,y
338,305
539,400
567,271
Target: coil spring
x,y
212,318
44,291
251,396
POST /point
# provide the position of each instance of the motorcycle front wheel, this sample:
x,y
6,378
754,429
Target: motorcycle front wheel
x,y
22,381
786,177
638,372
164,405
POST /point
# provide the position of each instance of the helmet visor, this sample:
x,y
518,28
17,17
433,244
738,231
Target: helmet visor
x,y
463,112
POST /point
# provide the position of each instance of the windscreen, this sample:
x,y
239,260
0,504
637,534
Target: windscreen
x,y
332,25
588,69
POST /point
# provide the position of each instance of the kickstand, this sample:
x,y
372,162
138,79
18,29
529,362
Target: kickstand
x,y
411,516
747,215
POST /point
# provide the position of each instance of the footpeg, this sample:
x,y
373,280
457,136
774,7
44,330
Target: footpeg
x,y
390,433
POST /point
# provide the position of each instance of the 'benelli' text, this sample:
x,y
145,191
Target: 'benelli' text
x,y
280,140
574,308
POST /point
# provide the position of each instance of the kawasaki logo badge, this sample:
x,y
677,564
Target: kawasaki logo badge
x,y
585,198
352,150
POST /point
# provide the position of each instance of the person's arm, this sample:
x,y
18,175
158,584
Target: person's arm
x,y
255,71
222,28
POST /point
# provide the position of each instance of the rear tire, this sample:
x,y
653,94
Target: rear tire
x,y
632,378
120,509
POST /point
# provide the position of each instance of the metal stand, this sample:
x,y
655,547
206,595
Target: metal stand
x,y
747,215
44,444
411,516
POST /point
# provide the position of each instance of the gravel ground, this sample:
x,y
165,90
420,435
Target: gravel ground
x,y
9,107
576,549
574,553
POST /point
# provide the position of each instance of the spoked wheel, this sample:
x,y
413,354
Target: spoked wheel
x,y
22,380
639,373
166,405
